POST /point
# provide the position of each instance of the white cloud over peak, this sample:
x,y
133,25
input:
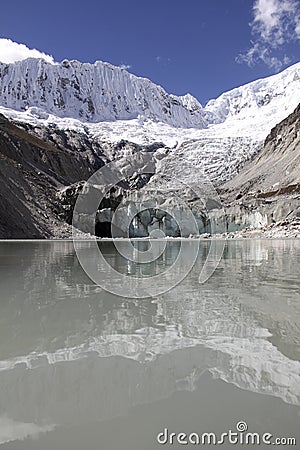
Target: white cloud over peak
x,y
11,52
275,23
125,66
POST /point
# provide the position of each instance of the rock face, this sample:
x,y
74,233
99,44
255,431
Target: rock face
x,y
267,189
275,170
32,171
42,171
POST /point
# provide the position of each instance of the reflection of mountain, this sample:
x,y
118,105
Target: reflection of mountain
x,y
97,355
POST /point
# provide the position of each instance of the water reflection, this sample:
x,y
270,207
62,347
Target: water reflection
x,y
71,353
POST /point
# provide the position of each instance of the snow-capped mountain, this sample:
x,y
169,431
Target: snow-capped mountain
x,y
92,93
264,96
81,116
102,93
108,104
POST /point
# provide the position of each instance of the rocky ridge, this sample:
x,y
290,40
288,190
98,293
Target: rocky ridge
x,y
42,171
267,189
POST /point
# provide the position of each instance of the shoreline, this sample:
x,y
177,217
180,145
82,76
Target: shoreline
x,y
285,229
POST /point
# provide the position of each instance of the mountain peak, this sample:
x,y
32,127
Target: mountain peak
x,y
190,102
93,93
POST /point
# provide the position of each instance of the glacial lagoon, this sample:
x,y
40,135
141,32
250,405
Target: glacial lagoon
x,y
82,368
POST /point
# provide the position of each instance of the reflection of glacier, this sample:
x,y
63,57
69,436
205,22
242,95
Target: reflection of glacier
x,y
11,430
97,355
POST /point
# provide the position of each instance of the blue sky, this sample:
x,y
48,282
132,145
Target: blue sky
x,y
197,46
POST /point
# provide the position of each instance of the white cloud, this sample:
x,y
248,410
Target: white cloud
x,y
275,23
261,53
12,51
125,66
274,20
